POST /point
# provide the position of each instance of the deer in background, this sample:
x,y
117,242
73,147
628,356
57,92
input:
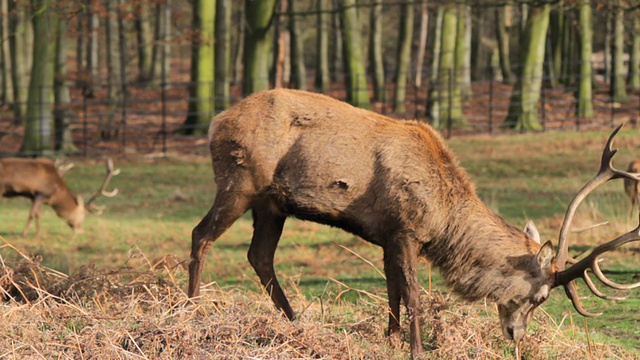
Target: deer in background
x,y
40,181
282,153
631,186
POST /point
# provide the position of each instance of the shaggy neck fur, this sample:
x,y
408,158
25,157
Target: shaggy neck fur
x,y
479,254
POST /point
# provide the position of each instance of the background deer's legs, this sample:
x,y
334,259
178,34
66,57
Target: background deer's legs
x,y
266,234
227,208
34,212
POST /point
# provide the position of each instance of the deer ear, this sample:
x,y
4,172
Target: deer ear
x,y
532,231
545,255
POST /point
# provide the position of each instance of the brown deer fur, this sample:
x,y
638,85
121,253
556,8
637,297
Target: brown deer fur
x,y
631,186
394,183
38,180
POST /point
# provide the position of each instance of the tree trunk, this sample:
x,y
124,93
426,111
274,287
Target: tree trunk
x,y
523,106
357,90
556,28
618,86
39,119
422,42
448,94
634,61
433,100
463,49
201,104
238,69
376,64
62,111
5,54
336,62
223,54
258,43
162,46
504,44
585,106
607,45
405,37
298,70
144,36
322,80
20,43
93,44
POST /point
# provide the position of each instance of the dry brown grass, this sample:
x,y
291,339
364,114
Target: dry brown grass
x,y
141,312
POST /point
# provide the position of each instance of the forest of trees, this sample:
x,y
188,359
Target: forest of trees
x,y
373,49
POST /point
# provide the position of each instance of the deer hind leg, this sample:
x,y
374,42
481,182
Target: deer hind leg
x,y
266,234
400,263
34,213
226,209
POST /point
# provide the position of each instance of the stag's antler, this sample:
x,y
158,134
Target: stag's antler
x,y
579,269
102,191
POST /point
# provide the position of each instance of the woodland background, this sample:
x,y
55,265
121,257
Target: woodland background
x,y
145,76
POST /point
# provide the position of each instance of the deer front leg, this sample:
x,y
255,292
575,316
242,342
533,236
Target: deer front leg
x,y
34,212
400,261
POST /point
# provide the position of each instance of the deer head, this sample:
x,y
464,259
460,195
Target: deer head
x,y
548,271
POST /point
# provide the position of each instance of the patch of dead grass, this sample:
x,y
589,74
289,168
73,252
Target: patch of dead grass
x,y
141,312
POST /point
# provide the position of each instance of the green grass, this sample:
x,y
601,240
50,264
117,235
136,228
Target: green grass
x,y
521,177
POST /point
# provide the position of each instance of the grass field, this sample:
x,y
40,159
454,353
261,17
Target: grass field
x,y
532,176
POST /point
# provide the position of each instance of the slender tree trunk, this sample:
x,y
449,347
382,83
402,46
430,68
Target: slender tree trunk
x,y
556,28
93,43
63,114
503,21
201,104
634,61
298,70
20,42
433,100
223,54
162,47
422,42
585,98
523,106
336,62
258,43
144,37
608,45
618,86
39,120
5,54
357,90
405,36
375,53
463,49
280,74
238,68
447,88
322,80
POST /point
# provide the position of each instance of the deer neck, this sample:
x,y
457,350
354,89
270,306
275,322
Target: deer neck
x,y
479,251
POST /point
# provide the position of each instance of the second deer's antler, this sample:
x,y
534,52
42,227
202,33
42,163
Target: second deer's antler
x,y
579,269
111,172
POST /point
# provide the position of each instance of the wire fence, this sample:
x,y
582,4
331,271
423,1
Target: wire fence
x,y
148,119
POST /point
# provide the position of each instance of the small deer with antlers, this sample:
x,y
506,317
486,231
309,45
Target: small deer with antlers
x,y
40,181
395,184
631,186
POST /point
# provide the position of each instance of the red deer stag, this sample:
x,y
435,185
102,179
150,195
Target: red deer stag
x,y
394,183
40,181
631,186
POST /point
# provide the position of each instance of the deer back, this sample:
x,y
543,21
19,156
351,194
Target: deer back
x,y
630,185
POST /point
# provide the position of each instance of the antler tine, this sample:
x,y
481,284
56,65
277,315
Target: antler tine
x,y
111,172
606,173
598,293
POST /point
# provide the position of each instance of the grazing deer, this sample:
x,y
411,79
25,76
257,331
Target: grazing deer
x,y
395,184
40,181
631,186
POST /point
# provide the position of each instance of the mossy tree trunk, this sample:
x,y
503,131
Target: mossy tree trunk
x,y
258,45
634,62
39,116
585,96
63,113
201,104
405,37
144,37
298,69
322,80
223,55
523,106
503,23
618,83
376,65
20,44
357,91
